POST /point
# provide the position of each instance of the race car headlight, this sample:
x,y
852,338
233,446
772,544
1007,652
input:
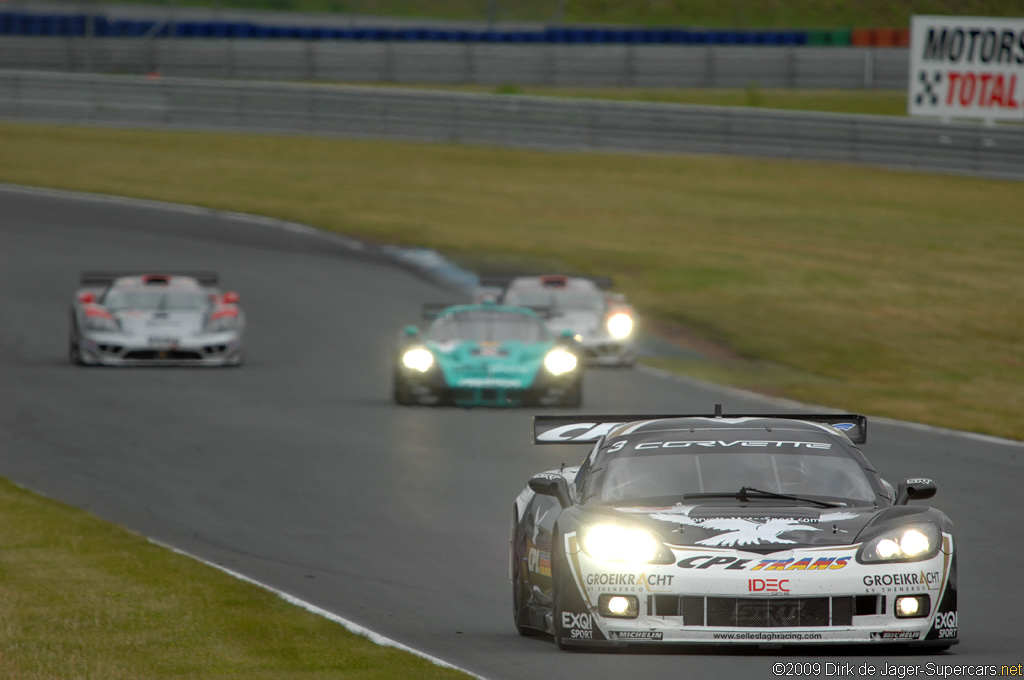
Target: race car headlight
x,y
418,359
909,543
220,325
912,606
101,323
558,361
616,543
620,325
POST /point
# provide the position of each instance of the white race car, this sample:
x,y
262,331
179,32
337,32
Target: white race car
x,y
602,322
155,319
728,530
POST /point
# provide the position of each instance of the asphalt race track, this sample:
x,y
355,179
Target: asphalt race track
x,y
297,471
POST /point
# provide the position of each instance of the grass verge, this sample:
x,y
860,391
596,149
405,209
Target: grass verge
x,y
80,598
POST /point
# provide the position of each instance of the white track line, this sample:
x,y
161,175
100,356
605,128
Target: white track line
x,y
291,599
686,380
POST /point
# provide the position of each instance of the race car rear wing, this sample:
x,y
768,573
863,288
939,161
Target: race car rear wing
x,y
588,429
503,281
431,310
105,278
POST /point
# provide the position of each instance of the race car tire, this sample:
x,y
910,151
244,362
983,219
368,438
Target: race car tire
x,y
574,395
558,568
401,393
75,353
520,589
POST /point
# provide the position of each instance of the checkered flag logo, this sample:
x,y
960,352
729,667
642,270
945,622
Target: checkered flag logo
x,y
929,84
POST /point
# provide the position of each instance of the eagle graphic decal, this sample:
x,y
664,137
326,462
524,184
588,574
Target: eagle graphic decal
x,y
741,531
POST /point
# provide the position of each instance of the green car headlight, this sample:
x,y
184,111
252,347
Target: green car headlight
x,y
910,543
617,543
418,359
558,361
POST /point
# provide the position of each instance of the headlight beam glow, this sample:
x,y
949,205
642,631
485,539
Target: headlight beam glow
x,y
620,544
558,361
418,359
620,325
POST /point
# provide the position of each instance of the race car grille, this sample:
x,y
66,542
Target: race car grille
x,y
162,355
759,612
488,396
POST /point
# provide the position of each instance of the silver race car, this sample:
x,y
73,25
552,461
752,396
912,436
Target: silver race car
x,y
602,322
120,319
728,530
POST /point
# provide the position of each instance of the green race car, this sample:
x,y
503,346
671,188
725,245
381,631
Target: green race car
x,y
487,355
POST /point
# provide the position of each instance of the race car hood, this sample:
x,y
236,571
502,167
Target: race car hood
x,y
583,322
145,322
510,364
754,529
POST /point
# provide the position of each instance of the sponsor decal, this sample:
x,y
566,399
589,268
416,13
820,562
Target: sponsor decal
x,y
539,562
580,626
902,583
945,624
635,635
577,432
488,382
630,583
768,585
163,341
805,564
507,368
756,443
791,564
967,67
896,635
919,480
740,531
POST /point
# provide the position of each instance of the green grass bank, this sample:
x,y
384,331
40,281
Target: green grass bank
x,y
81,599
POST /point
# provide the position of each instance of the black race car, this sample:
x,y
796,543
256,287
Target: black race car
x,y
728,530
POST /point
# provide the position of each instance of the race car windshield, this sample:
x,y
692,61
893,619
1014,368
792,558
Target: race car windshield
x,y
156,300
486,325
561,301
672,477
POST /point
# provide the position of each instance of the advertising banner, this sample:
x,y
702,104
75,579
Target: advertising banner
x,y
966,67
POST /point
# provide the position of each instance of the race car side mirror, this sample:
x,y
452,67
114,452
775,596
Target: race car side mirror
x,y
87,298
547,484
916,489
231,298
410,331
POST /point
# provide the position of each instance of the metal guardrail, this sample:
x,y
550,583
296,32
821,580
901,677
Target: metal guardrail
x,y
607,65
512,121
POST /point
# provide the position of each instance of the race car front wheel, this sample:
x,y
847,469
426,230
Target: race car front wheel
x,y
574,395
74,353
559,568
520,589
401,393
